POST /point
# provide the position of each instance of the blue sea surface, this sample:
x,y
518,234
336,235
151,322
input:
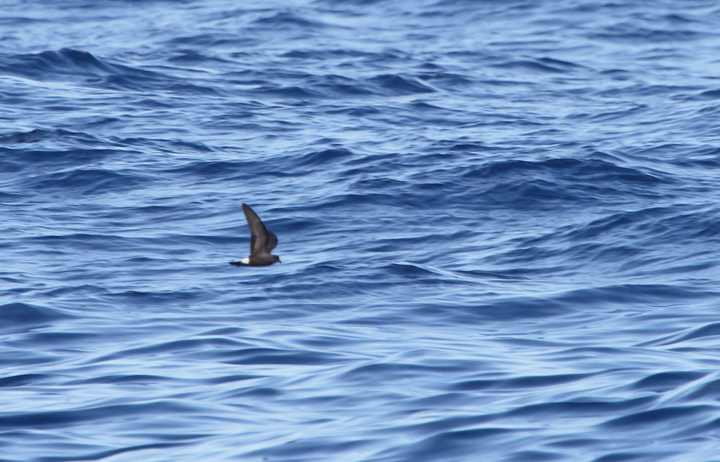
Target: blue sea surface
x,y
499,225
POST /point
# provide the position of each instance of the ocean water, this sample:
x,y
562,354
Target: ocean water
x,y
499,225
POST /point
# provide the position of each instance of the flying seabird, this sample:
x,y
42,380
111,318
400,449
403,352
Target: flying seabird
x,y
261,243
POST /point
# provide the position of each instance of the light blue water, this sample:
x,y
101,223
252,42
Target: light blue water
x,y
498,223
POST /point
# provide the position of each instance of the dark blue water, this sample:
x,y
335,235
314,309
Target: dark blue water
x,y
499,224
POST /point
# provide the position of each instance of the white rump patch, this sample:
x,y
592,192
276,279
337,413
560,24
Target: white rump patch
x,y
245,261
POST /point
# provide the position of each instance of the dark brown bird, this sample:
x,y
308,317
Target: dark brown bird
x,y
261,243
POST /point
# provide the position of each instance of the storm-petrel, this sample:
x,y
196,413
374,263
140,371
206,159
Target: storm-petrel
x,y
261,243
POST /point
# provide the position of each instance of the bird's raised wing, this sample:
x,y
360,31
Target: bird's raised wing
x,y
259,234
271,241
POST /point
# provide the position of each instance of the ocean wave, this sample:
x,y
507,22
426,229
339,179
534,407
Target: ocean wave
x,y
497,223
